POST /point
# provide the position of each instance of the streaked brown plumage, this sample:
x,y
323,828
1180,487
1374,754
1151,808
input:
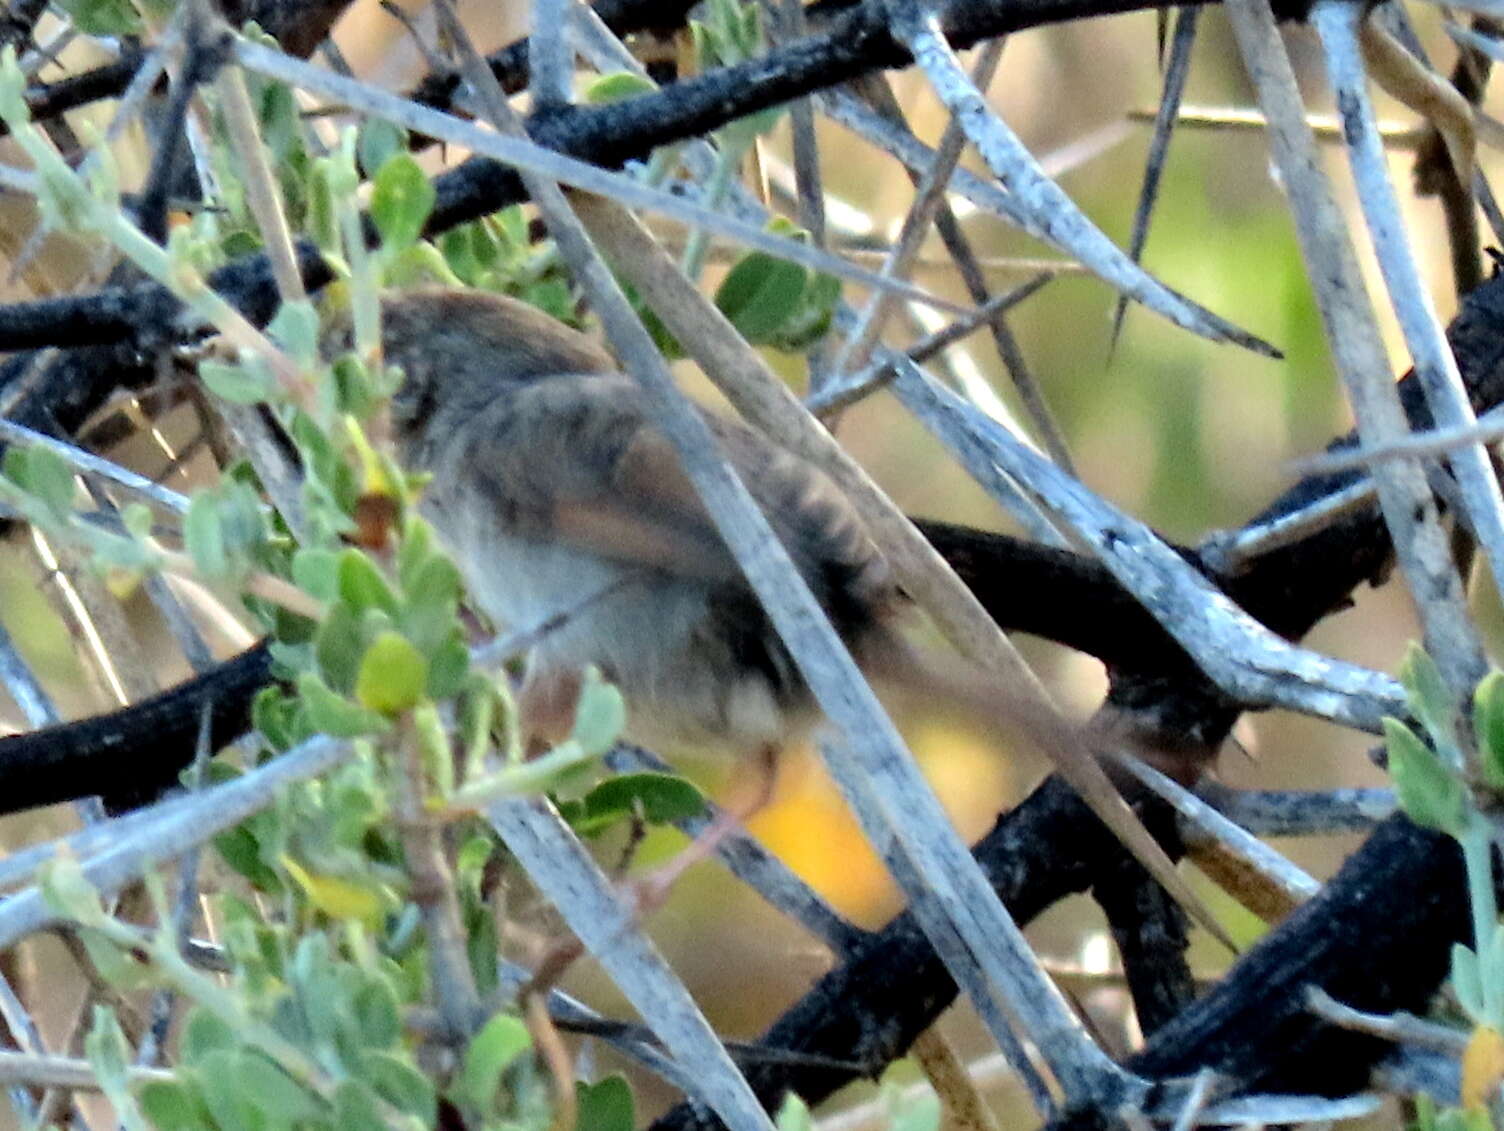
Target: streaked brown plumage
x,y
550,484
558,495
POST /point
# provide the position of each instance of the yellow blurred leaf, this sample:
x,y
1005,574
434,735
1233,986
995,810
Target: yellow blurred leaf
x,y
1482,1066
336,897
121,582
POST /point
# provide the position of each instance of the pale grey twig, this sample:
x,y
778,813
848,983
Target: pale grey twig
x,y
1236,652
1401,1028
807,181
523,154
541,841
969,269
754,865
1411,1070
1176,71
878,374
1325,127
1487,429
164,1000
18,867
164,832
1229,553
1194,1107
1494,8
564,872
960,959
1054,215
1260,1112
1435,368
1280,812
28,1038
67,1072
563,1008
262,193
90,464
23,686
928,196
1210,825
550,60
1356,343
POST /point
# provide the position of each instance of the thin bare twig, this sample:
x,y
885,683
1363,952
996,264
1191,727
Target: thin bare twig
x,y
1356,344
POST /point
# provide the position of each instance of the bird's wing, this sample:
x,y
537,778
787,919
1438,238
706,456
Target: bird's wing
x,y
578,461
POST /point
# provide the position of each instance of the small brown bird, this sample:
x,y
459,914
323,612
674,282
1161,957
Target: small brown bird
x,y
551,485
561,499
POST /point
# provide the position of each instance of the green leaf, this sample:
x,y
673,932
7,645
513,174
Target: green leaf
x,y
414,551
245,382
316,572
919,1112
376,1013
335,715
241,850
761,294
500,1042
274,1091
458,248
204,537
68,892
1467,983
1429,793
106,1048
812,319
296,329
354,388
477,714
173,1106
123,969
43,473
356,1108
225,531
1491,960
660,798
338,647
393,675
1488,727
794,1115
600,715
1428,695
137,519
281,123
401,200
449,667
616,86
322,220
103,17
401,1085
229,1101
604,1106
419,264
433,593
205,1034
380,141
361,584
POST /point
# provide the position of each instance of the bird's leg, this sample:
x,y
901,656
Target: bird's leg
x,y
653,889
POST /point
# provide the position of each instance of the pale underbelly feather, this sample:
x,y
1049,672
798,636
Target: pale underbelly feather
x,y
675,697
